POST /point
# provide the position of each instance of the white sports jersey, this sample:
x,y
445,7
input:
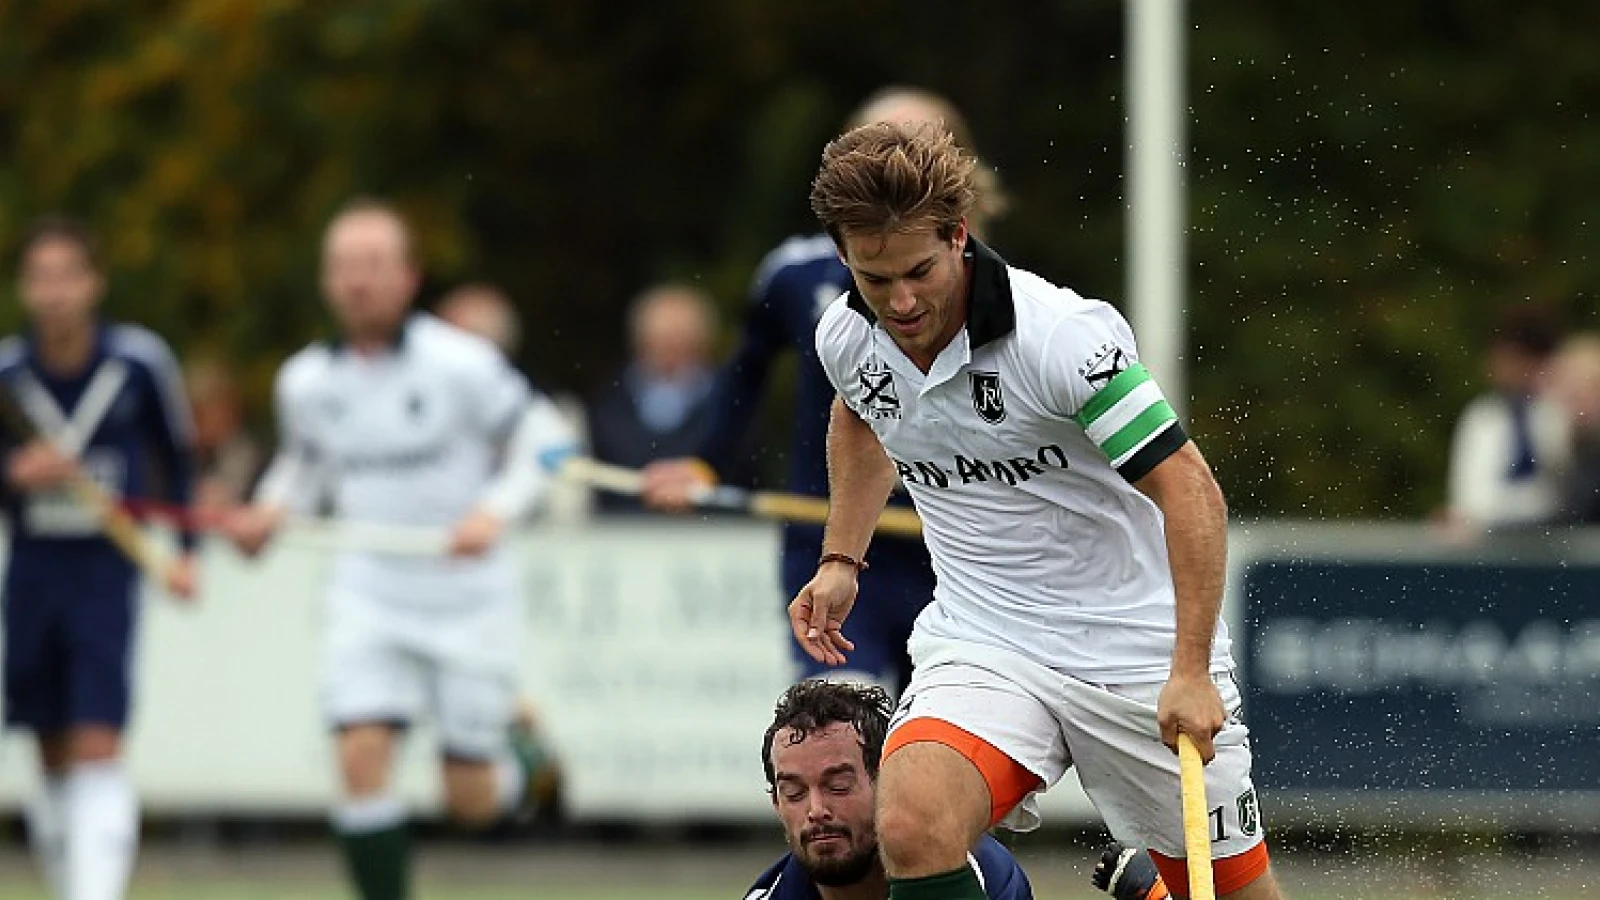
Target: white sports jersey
x,y
1019,446
412,437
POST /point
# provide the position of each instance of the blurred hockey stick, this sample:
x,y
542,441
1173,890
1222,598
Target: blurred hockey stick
x,y
895,520
344,536
120,528
319,533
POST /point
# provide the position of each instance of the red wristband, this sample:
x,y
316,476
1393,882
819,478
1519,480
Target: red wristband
x,y
860,564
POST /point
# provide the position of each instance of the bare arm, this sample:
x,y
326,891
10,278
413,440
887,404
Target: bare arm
x,y
532,455
289,485
538,444
860,479
295,481
1197,548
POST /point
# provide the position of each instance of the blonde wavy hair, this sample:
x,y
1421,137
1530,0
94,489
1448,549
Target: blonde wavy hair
x,y
891,177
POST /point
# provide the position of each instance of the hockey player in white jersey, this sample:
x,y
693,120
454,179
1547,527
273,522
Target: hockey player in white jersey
x,y
408,421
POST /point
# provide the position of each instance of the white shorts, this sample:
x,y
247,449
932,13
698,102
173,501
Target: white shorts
x,y
386,663
1047,722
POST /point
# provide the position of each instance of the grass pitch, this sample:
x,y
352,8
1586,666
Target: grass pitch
x,y
688,872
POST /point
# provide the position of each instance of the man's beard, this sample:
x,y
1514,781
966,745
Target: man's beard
x,y
840,871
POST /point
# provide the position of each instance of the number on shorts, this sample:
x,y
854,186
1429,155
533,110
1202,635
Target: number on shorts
x,y
1218,832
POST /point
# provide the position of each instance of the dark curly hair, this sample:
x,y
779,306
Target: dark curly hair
x,y
815,704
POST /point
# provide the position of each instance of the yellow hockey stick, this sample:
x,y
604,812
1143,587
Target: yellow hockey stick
x,y
1196,820
895,520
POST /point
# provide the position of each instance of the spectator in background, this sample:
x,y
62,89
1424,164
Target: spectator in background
x,y
656,407
227,458
486,311
1575,387
1511,444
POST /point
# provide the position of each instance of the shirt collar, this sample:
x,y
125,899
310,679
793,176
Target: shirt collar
x,y
799,877
397,343
991,310
102,334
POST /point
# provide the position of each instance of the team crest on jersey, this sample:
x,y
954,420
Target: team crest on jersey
x,y
1249,813
987,399
878,397
1107,363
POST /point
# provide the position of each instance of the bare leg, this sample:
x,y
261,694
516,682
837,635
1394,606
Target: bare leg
x,y
370,820
933,804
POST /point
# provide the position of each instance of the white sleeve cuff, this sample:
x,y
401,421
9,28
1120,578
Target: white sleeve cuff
x,y
533,456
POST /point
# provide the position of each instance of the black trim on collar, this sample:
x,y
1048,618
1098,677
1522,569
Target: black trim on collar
x,y
337,343
991,310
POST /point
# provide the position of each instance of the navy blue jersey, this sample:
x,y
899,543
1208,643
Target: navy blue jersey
x,y
1002,878
70,598
125,418
792,287
794,284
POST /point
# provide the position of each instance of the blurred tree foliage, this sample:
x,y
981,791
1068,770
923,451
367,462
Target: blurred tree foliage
x,y
1368,186
1371,186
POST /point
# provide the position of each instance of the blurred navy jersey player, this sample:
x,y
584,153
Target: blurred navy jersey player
x,y
821,756
106,400
791,288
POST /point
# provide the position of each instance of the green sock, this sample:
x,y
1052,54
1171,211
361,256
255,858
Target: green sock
x,y
541,771
379,862
962,884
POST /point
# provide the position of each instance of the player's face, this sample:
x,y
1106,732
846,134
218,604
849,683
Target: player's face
x,y
59,286
481,317
915,283
1514,370
367,274
673,338
825,800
